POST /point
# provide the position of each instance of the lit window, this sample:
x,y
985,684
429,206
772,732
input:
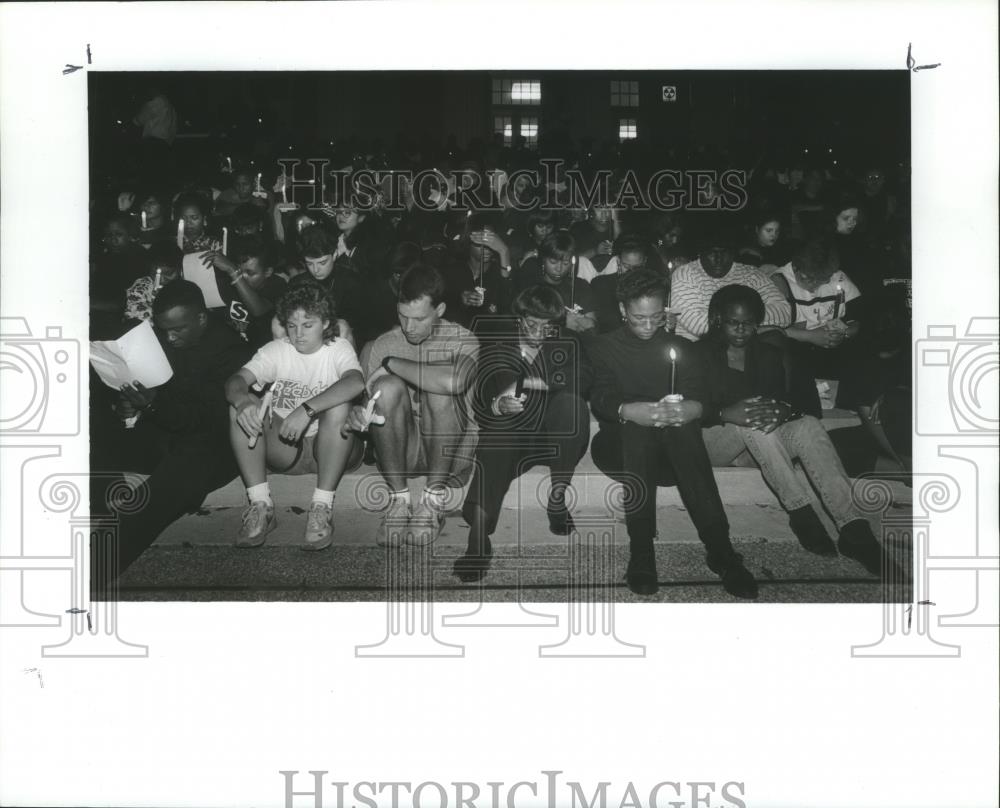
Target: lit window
x,y
508,92
626,129
502,125
529,131
624,93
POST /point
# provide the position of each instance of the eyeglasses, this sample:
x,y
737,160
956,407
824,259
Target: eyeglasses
x,y
655,320
546,330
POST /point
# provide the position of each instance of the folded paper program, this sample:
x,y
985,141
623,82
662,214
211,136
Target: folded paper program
x,y
134,357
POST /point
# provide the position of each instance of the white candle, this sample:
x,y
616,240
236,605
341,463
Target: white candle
x,y
180,234
673,369
284,189
158,280
144,220
258,180
225,240
229,164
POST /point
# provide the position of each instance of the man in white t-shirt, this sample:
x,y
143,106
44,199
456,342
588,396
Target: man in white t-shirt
x,y
313,376
418,377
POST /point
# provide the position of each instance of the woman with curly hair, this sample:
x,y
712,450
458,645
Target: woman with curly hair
x,y
314,375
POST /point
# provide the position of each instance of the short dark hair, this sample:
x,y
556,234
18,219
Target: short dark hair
x,y
179,294
312,299
736,294
165,254
816,258
640,283
421,281
403,257
560,244
191,199
541,216
252,247
317,241
541,301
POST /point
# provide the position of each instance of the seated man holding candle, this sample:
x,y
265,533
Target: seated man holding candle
x,y
313,375
529,402
555,266
694,284
749,408
478,278
180,437
647,394
419,381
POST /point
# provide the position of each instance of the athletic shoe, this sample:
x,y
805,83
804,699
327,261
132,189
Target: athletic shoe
x,y
395,524
258,521
319,527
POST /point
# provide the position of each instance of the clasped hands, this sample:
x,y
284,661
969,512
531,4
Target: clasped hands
x,y
763,414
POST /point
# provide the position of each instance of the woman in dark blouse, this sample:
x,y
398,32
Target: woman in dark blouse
x,y
748,408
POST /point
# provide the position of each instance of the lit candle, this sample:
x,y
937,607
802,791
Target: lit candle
x,y
180,234
258,181
225,240
158,280
229,165
144,220
284,189
673,369
840,300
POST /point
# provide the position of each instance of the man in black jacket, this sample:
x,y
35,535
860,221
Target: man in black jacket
x,y
533,376
646,441
180,438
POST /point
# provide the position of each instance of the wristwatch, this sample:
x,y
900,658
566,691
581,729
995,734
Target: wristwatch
x,y
309,410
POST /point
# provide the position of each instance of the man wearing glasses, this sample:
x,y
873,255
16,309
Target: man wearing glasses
x,y
532,378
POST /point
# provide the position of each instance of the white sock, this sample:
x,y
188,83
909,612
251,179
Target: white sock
x,y
436,497
260,493
401,496
325,497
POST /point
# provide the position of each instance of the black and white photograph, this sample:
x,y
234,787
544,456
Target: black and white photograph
x,y
483,318
580,405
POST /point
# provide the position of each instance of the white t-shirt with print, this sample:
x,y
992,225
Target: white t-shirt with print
x,y
296,377
816,308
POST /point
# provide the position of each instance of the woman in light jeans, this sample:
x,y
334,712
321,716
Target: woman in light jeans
x,y
749,417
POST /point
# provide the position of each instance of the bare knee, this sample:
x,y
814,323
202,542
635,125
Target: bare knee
x,y
392,391
334,417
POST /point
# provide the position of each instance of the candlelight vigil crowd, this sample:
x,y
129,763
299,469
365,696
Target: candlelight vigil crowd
x,y
314,315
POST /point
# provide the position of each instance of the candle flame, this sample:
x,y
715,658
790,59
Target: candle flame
x,y
673,355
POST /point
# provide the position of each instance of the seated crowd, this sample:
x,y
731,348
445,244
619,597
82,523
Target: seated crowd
x,y
465,345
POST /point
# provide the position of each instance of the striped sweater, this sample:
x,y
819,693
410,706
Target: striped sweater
x,y
692,291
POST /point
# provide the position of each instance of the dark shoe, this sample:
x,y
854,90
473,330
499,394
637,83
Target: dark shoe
x,y
810,531
857,541
560,520
737,580
641,574
471,568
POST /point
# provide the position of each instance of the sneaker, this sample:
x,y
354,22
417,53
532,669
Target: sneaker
x,y
258,521
319,527
425,525
395,524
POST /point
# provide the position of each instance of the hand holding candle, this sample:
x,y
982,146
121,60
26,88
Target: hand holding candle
x,y
265,407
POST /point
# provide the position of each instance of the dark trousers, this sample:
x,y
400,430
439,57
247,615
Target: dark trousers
x,y
642,458
558,441
181,474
